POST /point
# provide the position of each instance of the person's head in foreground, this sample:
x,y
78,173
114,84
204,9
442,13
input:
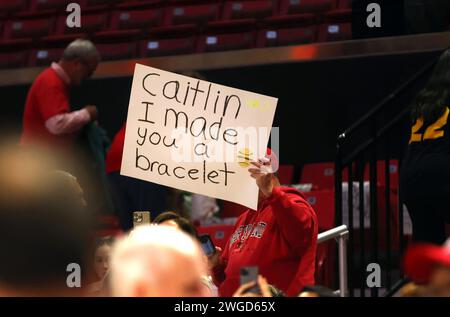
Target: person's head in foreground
x,y
102,254
172,219
79,60
157,261
44,228
317,291
428,266
67,179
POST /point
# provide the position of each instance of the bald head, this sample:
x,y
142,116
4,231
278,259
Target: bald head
x,y
80,49
79,60
159,261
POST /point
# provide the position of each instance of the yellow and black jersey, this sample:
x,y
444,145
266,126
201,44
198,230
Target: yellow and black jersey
x,y
426,165
434,137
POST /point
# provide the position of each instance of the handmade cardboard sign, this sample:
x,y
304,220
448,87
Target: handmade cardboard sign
x,y
195,135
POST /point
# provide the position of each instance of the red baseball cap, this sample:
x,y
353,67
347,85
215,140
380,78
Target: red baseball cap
x,y
420,260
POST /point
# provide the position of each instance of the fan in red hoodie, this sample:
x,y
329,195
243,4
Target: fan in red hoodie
x,y
279,238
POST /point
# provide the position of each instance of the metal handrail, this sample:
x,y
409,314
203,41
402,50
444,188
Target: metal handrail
x,y
332,233
340,234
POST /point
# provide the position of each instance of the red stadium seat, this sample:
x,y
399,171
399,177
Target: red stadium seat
x,y
28,28
197,14
223,42
322,202
230,209
15,45
140,5
44,57
381,177
249,9
90,23
180,39
101,2
136,19
159,47
336,26
288,30
59,41
116,36
228,35
219,234
306,6
318,174
191,2
115,51
12,60
286,174
345,4
12,5
36,5
290,36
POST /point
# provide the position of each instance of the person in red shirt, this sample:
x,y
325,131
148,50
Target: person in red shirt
x,y
279,237
48,120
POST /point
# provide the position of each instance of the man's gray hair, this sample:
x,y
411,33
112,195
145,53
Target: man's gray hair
x,y
82,49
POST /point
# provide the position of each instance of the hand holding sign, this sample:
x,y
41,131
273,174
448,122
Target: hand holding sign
x,y
263,174
195,135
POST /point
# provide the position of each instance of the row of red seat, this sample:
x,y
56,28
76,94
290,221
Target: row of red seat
x,y
183,39
97,20
321,175
218,8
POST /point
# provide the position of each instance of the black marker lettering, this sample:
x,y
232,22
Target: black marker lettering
x,y
165,169
177,114
141,157
196,91
210,176
207,97
142,136
143,83
158,137
192,171
177,87
226,171
187,93
146,103
169,145
217,99
175,173
203,127
227,101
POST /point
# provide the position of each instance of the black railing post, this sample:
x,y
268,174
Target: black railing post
x,y
338,198
387,173
400,218
350,257
362,231
373,211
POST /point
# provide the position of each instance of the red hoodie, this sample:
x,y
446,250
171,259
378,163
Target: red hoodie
x,y
280,238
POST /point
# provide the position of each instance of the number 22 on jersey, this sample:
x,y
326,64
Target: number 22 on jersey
x,y
432,132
